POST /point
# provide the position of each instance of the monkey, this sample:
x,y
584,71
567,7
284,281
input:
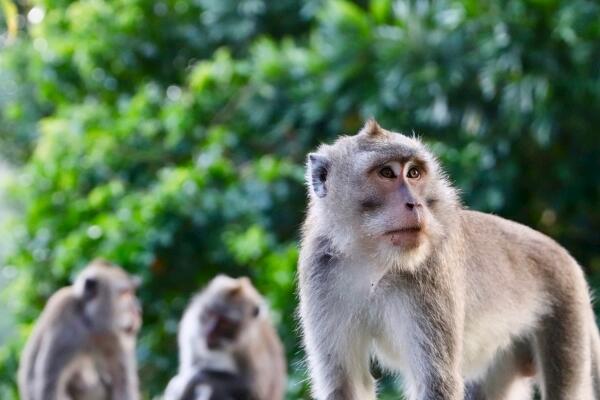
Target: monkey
x,y
83,345
228,348
394,269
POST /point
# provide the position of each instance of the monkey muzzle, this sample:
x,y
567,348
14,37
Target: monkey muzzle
x,y
220,331
408,237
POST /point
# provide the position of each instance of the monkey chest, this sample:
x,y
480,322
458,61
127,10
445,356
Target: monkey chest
x,y
87,379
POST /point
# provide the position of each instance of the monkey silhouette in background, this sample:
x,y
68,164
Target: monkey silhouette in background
x,y
228,348
83,345
393,268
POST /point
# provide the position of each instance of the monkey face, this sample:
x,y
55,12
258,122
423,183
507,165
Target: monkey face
x,y
379,190
393,208
129,311
108,297
220,329
235,304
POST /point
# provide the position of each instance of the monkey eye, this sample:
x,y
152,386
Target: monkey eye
x,y
387,172
413,173
255,311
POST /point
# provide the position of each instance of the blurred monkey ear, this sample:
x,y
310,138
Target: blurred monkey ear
x,y
318,166
90,288
234,291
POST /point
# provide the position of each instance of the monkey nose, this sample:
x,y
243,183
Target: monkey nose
x,y
410,205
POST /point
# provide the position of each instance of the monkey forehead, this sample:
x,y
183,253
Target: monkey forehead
x,y
370,153
112,276
101,262
222,284
388,144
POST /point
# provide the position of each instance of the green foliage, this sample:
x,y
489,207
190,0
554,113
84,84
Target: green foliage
x,y
170,136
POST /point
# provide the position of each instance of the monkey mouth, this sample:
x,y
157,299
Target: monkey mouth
x,y
405,237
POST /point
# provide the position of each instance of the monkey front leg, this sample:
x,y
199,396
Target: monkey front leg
x,y
124,376
119,356
55,353
337,350
339,366
434,354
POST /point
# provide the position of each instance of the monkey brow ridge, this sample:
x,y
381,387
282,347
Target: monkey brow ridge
x,y
377,154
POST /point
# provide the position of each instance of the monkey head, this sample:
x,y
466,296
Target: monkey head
x,y
380,190
107,297
229,308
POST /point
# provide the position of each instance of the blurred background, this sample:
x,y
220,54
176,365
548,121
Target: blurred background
x,y
169,136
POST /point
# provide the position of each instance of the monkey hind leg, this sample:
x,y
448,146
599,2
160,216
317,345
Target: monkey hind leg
x,y
563,356
510,377
595,354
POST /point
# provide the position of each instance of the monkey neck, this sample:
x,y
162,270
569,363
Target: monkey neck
x,y
219,360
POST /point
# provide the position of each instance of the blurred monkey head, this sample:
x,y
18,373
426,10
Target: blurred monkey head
x,y
108,297
229,307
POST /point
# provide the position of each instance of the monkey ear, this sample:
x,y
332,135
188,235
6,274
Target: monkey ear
x,y
318,166
256,311
90,288
372,128
234,291
244,281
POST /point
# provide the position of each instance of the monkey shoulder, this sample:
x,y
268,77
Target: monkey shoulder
x,y
479,226
62,306
317,259
506,244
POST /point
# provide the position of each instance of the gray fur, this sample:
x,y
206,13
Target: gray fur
x,y
479,299
83,346
318,166
253,360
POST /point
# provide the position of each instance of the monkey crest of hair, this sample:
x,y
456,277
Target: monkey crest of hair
x,y
83,344
394,269
228,346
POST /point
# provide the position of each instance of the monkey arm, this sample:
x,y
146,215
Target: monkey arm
x,y
339,363
30,356
27,364
175,387
436,361
224,385
337,348
117,351
55,353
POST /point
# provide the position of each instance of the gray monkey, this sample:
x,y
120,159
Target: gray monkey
x,y
83,345
393,268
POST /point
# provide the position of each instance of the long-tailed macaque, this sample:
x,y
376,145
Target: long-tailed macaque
x,y
228,348
394,268
83,345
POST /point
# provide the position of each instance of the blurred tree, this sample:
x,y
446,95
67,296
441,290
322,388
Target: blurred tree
x,y
170,136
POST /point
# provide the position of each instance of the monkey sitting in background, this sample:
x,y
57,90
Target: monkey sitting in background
x,y
228,348
393,268
83,345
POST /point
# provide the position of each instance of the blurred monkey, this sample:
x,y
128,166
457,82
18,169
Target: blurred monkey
x,y
83,345
228,348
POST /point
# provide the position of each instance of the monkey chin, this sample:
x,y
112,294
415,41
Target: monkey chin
x,y
405,250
